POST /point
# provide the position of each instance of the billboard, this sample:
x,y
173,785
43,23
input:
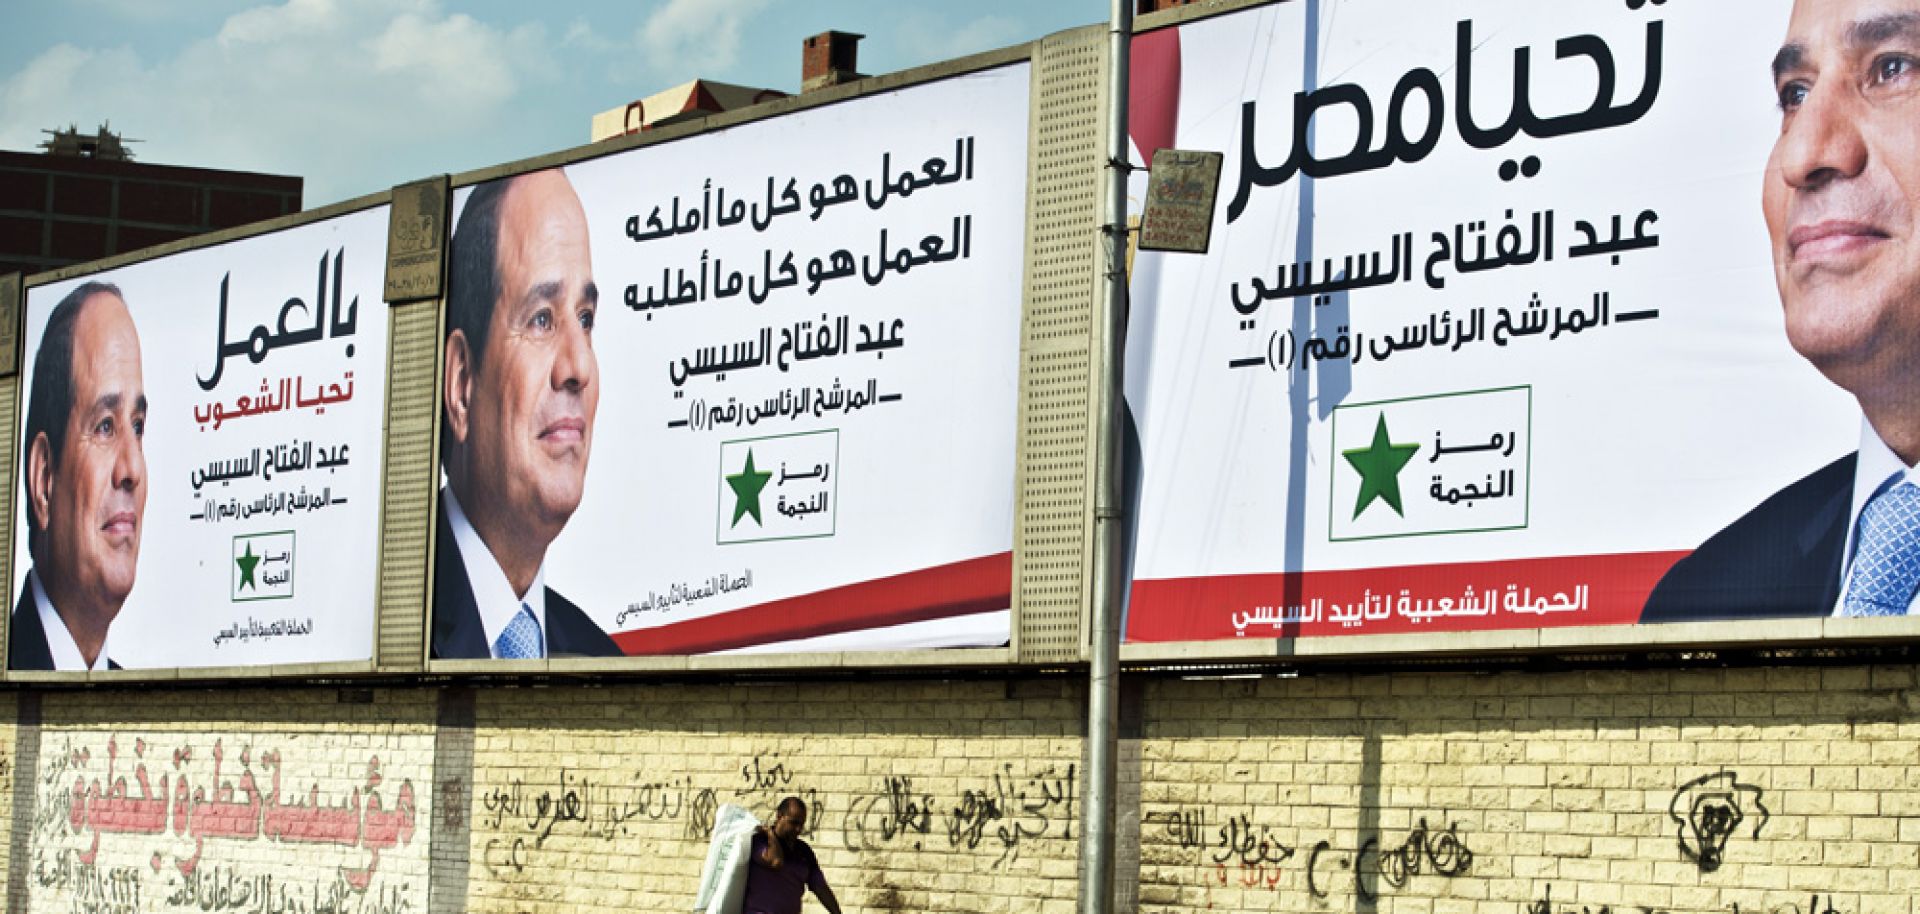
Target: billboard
x,y
200,456
749,390
1491,335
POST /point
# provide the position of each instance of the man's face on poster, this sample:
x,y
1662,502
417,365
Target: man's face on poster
x,y
1841,189
91,502
536,387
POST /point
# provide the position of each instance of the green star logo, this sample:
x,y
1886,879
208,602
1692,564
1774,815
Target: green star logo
x,y
746,486
247,563
1379,465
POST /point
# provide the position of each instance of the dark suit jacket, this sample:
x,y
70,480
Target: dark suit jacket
x,y
27,638
1780,560
458,634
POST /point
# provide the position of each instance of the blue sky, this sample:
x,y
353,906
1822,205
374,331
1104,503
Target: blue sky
x,y
358,95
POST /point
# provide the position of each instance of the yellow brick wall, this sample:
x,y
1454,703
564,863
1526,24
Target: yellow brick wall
x,y
1767,791
284,800
9,762
1790,791
922,796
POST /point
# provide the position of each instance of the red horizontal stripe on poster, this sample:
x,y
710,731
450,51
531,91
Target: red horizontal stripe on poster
x,y
1471,596
963,588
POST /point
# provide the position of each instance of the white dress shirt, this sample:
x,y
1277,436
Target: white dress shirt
x,y
60,644
491,593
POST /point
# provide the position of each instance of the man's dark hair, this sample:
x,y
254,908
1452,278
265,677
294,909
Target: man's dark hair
x,y
775,854
50,399
474,273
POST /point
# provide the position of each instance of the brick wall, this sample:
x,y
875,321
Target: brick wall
x,y
1778,790
922,796
56,210
1758,790
224,801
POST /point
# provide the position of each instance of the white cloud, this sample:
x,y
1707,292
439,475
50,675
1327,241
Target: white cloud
x,y
270,24
456,60
354,95
586,36
696,38
151,11
63,86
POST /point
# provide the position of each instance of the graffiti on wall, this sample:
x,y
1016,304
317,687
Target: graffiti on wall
x,y
521,816
998,813
1040,806
1709,810
1815,904
893,811
1240,851
995,815
122,824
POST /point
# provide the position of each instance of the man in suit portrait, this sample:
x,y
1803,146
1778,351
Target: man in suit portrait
x,y
85,474
1842,205
521,387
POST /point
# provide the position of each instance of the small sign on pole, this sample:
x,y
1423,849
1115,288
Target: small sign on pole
x,y
417,240
1180,195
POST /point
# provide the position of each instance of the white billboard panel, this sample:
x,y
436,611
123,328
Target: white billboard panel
x,y
200,456
750,390
1492,331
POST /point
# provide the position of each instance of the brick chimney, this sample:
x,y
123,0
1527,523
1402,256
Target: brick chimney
x,y
829,59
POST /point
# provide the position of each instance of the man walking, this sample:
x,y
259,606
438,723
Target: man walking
x,y
781,867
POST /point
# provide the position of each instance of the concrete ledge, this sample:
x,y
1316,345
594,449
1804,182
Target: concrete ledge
x,y
1722,634
877,661
265,672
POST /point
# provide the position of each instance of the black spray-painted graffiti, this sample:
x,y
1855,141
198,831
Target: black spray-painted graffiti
x,y
1708,810
1815,905
1424,850
575,804
894,811
1546,905
1046,798
1250,848
1000,813
1184,826
700,816
1247,844
762,775
1261,859
765,780
1238,842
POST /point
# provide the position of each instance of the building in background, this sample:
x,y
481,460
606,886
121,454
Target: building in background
x,y
684,102
826,59
84,198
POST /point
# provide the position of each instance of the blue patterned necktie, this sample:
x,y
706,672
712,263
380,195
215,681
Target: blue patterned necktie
x,y
521,639
1886,566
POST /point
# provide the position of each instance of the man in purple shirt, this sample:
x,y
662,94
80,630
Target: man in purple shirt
x,y
781,867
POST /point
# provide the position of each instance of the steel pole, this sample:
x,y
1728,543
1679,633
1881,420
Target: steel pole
x,y
1109,509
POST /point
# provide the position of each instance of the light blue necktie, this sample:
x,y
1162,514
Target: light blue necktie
x,y
521,639
1886,566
